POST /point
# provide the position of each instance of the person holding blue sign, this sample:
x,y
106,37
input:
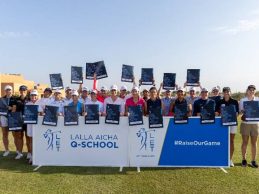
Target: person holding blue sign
x,y
18,135
249,129
154,101
94,100
58,102
215,94
33,101
3,119
103,93
46,99
180,100
198,104
227,100
135,100
114,99
75,102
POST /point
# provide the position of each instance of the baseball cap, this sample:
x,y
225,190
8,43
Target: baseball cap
x,y
68,88
34,92
215,88
135,88
204,90
251,87
74,93
192,89
114,87
8,87
84,89
180,89
226,89
104,88
57,91
48,90
124,88
22,88
94,91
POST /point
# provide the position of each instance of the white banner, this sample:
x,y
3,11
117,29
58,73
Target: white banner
x,y
82,145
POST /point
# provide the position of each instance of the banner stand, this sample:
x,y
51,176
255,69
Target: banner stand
x,y
224,170
37,168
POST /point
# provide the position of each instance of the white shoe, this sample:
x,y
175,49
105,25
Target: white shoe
x,y
6,153
28,156
19,156
231,163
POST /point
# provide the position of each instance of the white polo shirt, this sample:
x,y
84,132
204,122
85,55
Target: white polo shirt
x,y
67,101
118,101
84,101
43,102
58,103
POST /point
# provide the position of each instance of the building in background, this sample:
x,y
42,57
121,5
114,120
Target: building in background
x,y
16,80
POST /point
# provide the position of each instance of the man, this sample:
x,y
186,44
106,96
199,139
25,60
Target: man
x,y
18,135
10,100
114,99
45,100
84,98
68,97
200,103
58,102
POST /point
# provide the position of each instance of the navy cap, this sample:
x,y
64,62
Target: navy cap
x,y
48,90
23,88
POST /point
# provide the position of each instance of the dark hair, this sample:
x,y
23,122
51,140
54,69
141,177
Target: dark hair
x,y
152,88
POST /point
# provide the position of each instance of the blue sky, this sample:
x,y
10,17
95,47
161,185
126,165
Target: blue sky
x,y
220,37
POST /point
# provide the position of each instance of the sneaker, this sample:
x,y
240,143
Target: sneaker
x,y
6,153
254,164
19,156
244,163
28,156
232,163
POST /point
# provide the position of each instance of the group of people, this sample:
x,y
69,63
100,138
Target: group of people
x,y
147,99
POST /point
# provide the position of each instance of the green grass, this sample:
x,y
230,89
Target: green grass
x,y
18,177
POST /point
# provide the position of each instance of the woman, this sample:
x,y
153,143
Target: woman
x,y
18,135
33,101
75,102
114,99
10,100
228,101
249,129
135,100
154,101
94,100
180,99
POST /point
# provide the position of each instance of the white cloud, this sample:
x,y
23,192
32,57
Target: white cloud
x,y
242,25
10,34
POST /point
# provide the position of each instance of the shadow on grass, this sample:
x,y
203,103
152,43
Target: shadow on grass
x,y
21,166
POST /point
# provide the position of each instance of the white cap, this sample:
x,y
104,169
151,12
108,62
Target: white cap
x,y
124,88
34,92
8,87
114,87
135,88
84,89
192,89
57,91
216,88
94,91
104,88
204,90
180,89
68,88
74,93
